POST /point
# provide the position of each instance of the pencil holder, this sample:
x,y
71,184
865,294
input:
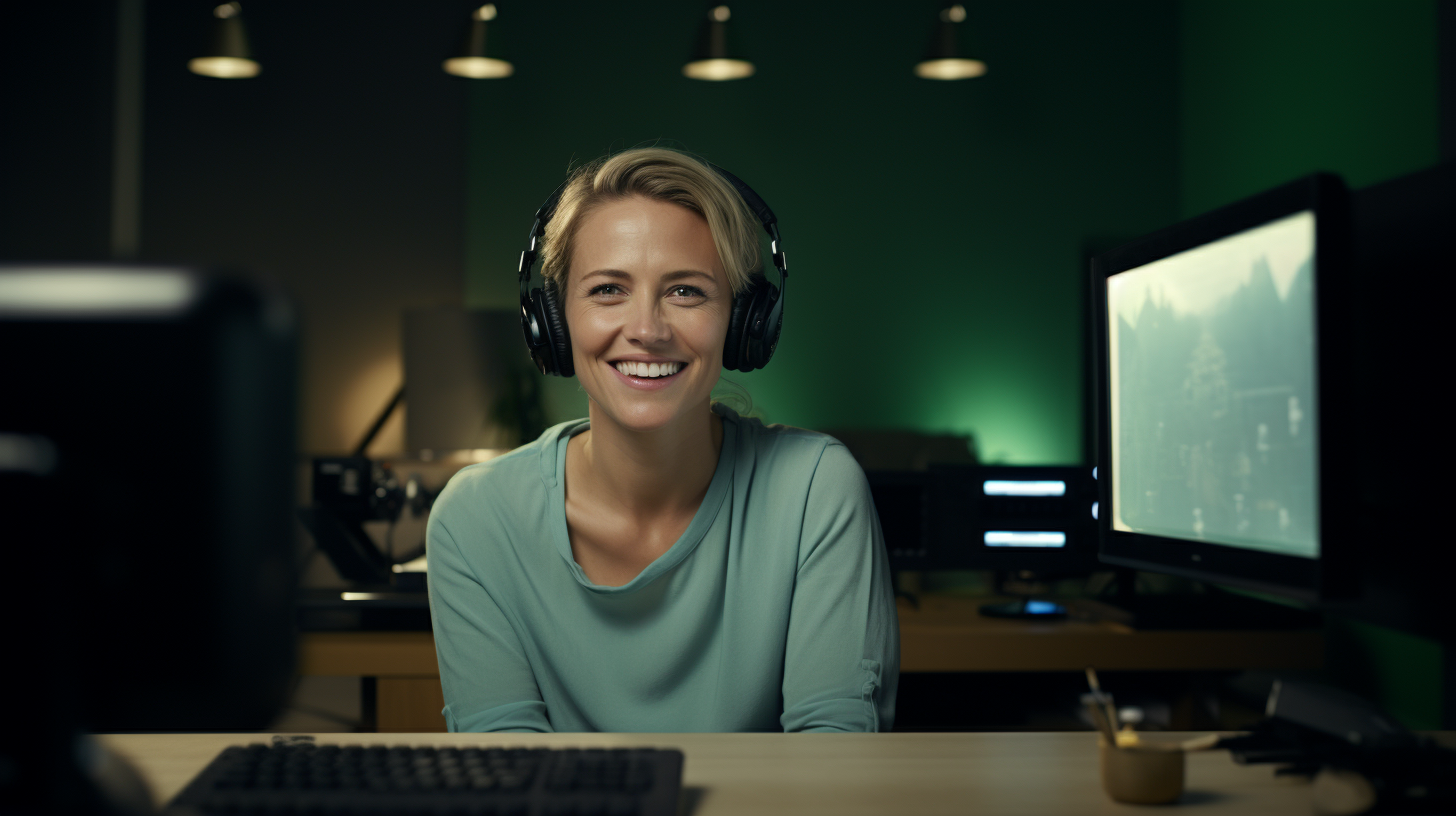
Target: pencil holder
x,y
1146,774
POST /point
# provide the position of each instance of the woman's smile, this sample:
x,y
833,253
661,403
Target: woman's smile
x,y
649,376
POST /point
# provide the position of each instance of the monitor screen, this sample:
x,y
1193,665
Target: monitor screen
x,y
1214,409
1215,383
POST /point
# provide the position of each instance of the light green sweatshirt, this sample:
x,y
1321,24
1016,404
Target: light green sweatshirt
x,y
773,611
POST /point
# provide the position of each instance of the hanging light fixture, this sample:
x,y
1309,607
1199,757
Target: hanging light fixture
x,y
943,59
473,59
229,56
715,57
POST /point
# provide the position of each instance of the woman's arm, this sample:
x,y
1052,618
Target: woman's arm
x,y
484,673
842,661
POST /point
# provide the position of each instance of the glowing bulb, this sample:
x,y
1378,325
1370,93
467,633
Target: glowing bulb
x,y
950,69
718,69
485,13
224,67
479,67
721,13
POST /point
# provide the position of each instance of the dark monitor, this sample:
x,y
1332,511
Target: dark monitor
x,y
1220,365
146,469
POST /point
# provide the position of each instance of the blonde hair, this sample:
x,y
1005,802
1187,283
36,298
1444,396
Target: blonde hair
x,y
664,175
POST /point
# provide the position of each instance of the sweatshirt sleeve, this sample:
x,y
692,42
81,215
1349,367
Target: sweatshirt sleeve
x,y
842,661
484,673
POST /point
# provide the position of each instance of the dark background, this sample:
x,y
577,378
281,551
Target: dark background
x,y
937,231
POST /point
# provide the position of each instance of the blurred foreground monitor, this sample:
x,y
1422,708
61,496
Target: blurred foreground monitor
x,y
146,470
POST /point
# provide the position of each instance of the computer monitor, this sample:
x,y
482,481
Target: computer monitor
x,y
147,466
1220,366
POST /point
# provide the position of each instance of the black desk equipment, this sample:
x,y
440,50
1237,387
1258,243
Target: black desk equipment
x,y
1015,520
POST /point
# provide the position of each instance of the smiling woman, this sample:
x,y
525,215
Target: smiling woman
x,y
664,564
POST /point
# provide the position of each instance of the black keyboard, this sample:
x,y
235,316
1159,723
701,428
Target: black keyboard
x,y
302,779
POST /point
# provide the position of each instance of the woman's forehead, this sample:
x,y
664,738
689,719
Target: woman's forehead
x,y
639,236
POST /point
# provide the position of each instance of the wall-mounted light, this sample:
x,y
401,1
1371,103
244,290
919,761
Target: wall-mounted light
x,y
716,57
229,56
943,58
479,56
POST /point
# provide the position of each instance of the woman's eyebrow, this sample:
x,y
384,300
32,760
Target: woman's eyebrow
x,y
617,274
687,273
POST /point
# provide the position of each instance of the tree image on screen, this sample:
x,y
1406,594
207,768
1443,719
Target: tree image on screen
x,y
1213,392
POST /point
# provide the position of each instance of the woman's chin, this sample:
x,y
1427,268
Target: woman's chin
x,y
643,419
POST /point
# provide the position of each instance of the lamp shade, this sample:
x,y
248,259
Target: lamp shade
x,y
479,54
944,58
716,56
228,55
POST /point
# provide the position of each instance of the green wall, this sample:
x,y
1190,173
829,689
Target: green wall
x,y
935,230
1274,91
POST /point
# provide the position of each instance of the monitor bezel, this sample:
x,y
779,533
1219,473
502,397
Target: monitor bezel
x,y
1331,574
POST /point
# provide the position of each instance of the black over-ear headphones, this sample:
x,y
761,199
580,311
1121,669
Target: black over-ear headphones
x,y
753,327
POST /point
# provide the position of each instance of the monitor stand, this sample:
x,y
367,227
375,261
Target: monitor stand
x,y
1212,608
1024,586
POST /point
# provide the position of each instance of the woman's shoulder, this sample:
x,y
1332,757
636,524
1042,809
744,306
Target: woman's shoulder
x,y
786,445
519,474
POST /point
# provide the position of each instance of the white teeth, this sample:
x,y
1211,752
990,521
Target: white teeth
x,y
634,369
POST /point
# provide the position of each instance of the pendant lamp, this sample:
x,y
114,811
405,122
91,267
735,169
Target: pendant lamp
x,y
943,58
717,57
228,57
479,54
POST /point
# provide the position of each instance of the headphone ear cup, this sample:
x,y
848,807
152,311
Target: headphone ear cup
x,y
741,352
738,323
556,333
759,352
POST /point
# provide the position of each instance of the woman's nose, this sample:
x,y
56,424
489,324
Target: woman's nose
x,y
648,324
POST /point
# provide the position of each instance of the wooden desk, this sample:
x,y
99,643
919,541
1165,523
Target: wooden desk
x,y
841,774
945,634
948,634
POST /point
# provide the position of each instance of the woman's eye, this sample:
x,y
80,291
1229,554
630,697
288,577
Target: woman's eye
x,y
687,292
605,289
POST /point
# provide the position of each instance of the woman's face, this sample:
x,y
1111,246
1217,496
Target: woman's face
x,y
646,303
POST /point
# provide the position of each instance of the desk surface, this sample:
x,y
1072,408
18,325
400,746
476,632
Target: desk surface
x,y
841,774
